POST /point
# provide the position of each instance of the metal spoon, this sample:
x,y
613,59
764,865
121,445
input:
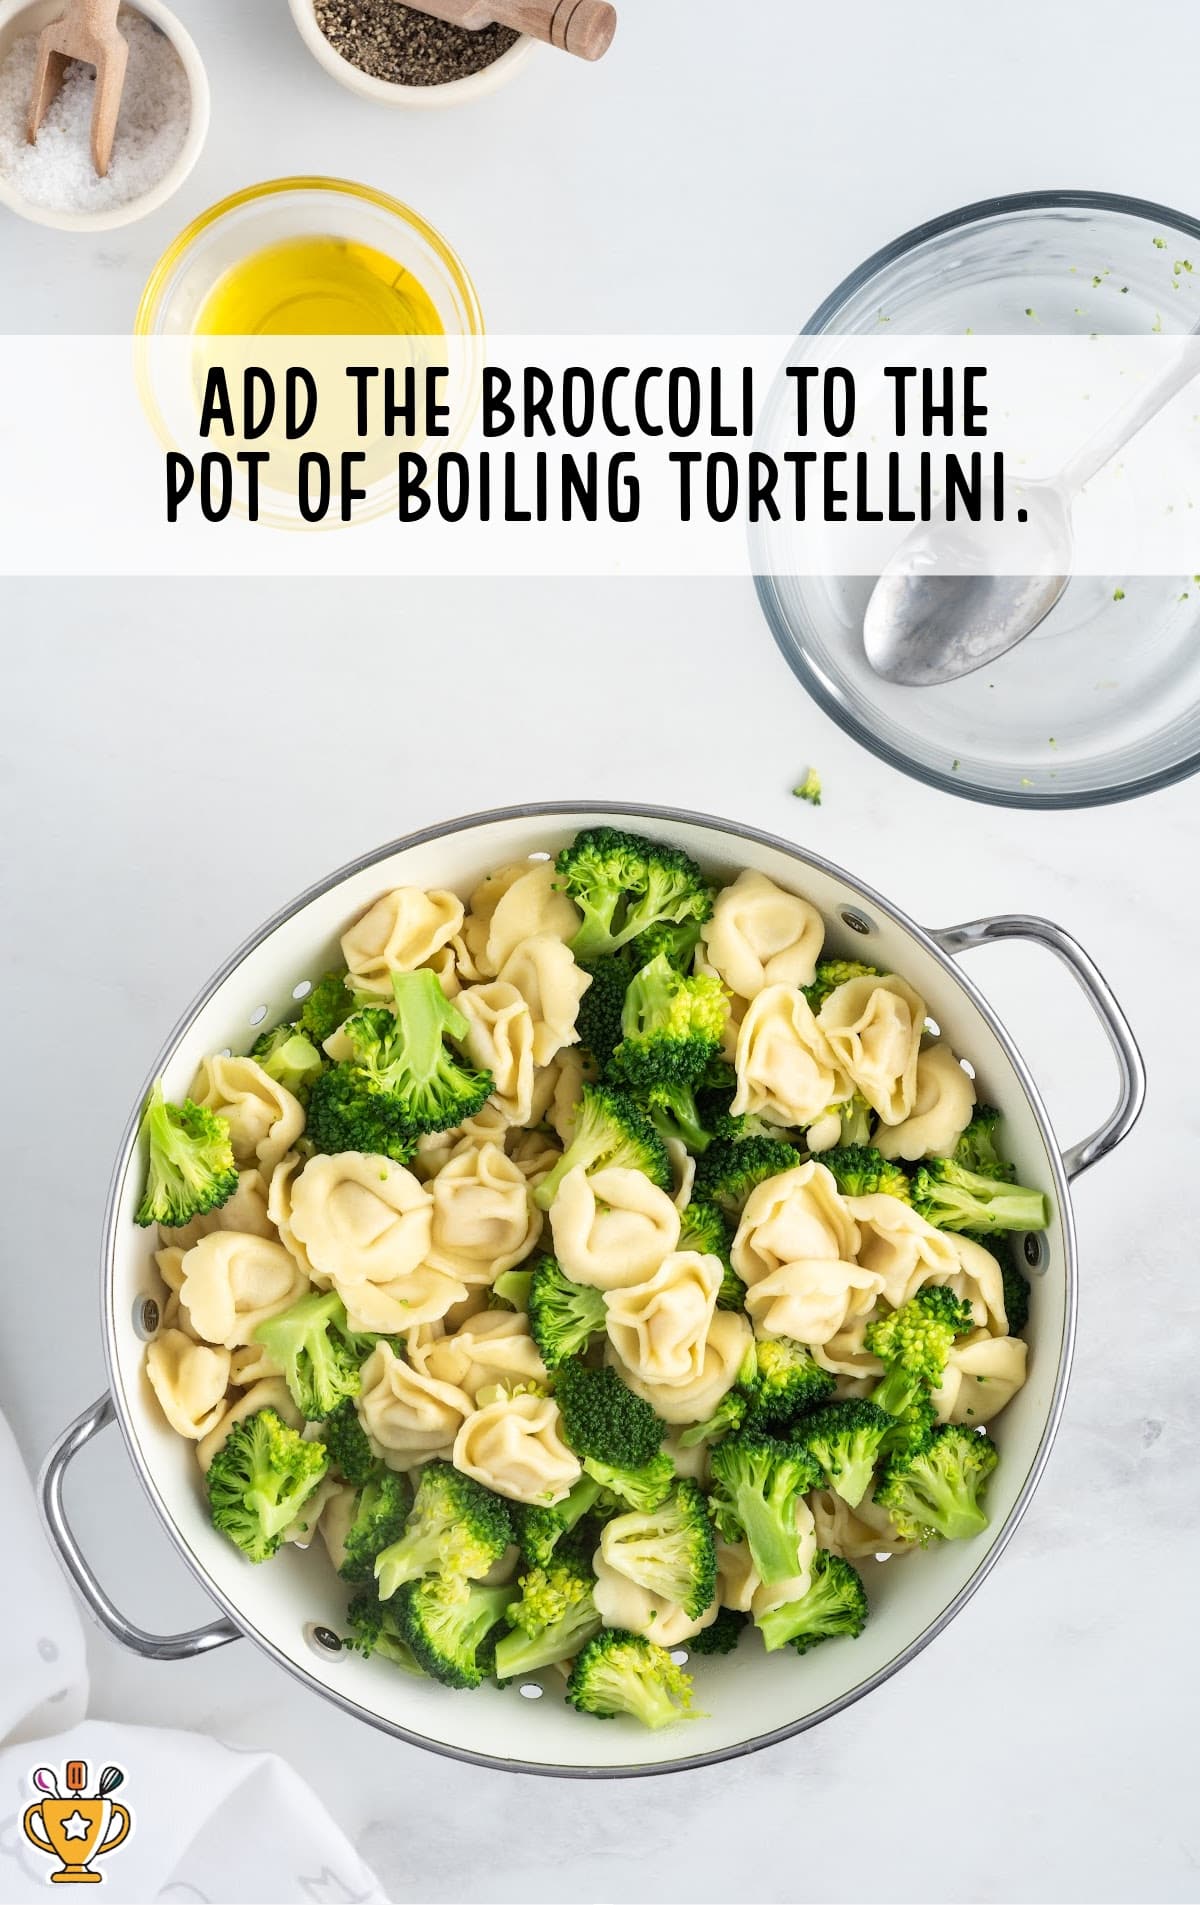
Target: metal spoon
x,y
935,615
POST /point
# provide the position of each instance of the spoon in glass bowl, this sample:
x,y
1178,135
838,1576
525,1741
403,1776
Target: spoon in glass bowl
x,y
934,614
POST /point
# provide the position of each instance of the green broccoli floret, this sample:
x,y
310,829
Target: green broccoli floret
x,y
976,1149
938,1489
563,1316
786,1382
728,1172
855,1117
860,1171
671,1028
344,1437
511,1291
603,1419
289,1057
913,1344
669,1551
722,1635
379,1516
610,1130
809,788
406,1075
641,1488
758,1481
311,1342
190,1169
344,1115
845,1440
600,1009
260,1480
623,1673
540,1529
555,1616
832,973
623,885
446,1628
911,1427
375,1629
456,1527
325,1007
952,1198
678,942
835,1604
1016,1294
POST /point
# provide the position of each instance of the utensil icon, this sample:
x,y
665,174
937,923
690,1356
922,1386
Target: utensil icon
x,y
110,1779
46,1782
72,1827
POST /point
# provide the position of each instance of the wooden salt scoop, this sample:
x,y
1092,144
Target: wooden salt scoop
x,y
87,32
582,27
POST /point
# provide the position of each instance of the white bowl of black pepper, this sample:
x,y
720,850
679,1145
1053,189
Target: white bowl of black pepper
x,y
398,56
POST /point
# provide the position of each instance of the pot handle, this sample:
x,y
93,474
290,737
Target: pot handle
x,y
50,1493
1127,1110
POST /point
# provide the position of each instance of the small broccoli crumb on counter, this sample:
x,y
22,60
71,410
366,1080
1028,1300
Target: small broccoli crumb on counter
x,y
809,788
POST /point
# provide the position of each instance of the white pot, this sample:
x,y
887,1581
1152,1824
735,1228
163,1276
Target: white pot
x,y
750,1699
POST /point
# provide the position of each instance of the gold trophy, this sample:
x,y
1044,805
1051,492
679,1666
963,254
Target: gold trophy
x,y
75,1829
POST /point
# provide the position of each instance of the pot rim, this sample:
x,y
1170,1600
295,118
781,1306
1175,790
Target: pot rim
x,y
670,816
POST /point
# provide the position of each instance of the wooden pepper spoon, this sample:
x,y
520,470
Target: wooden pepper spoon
x,y
88,32
582,27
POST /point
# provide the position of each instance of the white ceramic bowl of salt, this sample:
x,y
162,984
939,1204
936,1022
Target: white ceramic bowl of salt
x,y
160,133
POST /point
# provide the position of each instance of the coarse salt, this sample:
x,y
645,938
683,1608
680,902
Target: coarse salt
x,y
57,172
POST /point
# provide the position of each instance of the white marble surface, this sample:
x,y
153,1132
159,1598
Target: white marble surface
x,y
179,760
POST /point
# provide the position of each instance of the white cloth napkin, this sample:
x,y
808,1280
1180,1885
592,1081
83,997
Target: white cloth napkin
x,y
253,1833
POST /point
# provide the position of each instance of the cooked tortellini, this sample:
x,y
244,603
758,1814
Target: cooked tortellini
x,y
490,1348
942,1109
900,1247
613,1229
405,929
855,1533
725,1349
232,1283
983,1374
623,1603
279,1211
251,1363
846,1355
264,1119
190,1380
361,1219
247,1210
544,972
792,1217
527,904
484,1216
760,936
786,1070
978,1281
408,1417
659,1328
337,1519
515,1447
499,1040
873,1025
812,1300
737,1576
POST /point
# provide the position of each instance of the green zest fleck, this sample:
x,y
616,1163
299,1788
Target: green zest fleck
x,y
1118,595
809,788
1160,244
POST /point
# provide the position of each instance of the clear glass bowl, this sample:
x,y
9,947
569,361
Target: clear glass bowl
x,y
1102,702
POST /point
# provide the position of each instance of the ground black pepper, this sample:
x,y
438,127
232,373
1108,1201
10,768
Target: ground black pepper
x,y
396,43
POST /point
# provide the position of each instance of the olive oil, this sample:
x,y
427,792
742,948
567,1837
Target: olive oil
x,y
318,287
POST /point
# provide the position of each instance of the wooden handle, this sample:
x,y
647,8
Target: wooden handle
x,y
76,1775
582,27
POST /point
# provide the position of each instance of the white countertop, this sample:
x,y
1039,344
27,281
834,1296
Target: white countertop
x,y
182,758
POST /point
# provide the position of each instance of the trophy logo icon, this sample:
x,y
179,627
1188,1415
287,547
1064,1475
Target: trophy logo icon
x,y
76,1827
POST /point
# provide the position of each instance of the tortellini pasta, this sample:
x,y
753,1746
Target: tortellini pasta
x,y
247,1210
659,1328
484,1217
786,1070
407,1416
264,1119
725,1348
544,972
499,1040
279,1210
190,1380
941,1112
982,1375
337,1519
812,1300
515,1447
737,1576
528,905
613,1229
791,1217
874,1025
760,936
361,1218
494,1346
405,929
623,1603
854,1533
271,1393
251,1363
900,1247
978,1281
232,1283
